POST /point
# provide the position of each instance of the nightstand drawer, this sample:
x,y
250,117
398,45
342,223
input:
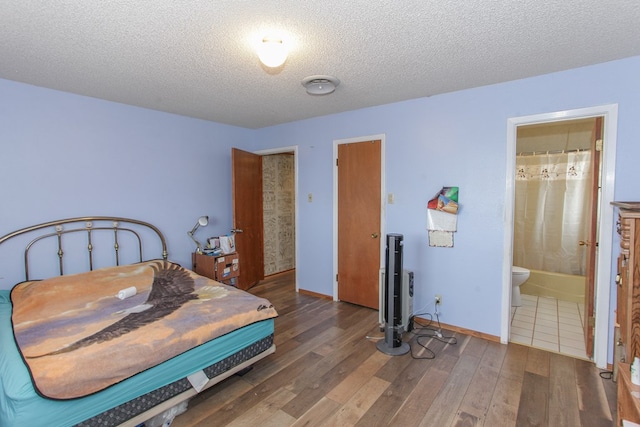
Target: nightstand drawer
x,y
220,268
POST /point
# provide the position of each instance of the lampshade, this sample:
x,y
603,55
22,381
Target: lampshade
x,y
320,85
202,221
272,52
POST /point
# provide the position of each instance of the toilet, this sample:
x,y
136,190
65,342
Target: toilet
x,y
519,275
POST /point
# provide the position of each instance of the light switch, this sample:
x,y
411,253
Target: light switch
x,y
310,197
390,198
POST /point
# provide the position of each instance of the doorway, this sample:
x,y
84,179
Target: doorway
x,y
556,196
277,184
605,214
279,202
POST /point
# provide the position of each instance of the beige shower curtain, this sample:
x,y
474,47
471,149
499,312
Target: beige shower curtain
x,y
551,202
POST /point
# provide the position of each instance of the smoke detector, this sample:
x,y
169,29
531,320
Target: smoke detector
x,y
320,85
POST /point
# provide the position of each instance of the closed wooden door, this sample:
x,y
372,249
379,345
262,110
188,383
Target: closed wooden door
x,y
247,215
359,207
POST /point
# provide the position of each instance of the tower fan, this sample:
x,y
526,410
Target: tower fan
x,y
392,343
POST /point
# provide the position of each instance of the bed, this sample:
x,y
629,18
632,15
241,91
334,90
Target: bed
x,y
59,374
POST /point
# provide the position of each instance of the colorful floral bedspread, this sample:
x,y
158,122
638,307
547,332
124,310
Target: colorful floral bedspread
x,y
78,337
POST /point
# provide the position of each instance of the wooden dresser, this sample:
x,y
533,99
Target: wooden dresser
x,y
627,344
628,281
628,401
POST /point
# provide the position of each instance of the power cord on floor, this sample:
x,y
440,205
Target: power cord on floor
x,y
606,375
421,333
427,332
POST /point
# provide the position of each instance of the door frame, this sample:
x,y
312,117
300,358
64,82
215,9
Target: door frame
x,y
605,232
279,150
383,213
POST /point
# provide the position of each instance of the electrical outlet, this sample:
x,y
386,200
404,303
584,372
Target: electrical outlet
x,y
438,299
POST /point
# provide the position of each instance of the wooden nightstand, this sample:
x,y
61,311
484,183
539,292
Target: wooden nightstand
x,y
223,268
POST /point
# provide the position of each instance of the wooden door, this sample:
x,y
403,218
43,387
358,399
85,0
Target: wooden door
x,y
591,243
359,185
247,215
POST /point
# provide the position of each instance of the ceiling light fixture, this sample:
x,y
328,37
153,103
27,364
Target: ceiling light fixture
x,y
272,52
320,85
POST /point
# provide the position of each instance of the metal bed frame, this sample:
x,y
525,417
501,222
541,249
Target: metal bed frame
x,y
88,225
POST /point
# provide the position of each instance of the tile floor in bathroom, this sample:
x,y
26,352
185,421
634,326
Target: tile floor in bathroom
x,y
549,324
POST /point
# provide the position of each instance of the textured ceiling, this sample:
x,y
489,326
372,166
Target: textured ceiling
x,y
196,58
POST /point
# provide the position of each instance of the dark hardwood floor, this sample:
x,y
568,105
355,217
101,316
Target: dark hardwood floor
x,y
326,371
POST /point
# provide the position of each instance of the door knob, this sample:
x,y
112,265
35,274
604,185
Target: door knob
x,y
584,243
236,230
374,235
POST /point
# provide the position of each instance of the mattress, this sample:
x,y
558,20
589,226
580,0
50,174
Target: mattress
x,y
20,405
77,337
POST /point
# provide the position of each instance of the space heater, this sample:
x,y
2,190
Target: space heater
x,y
392,307
406,292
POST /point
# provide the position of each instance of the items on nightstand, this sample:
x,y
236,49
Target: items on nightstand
x,y
225,244
225,268
228,244
212,251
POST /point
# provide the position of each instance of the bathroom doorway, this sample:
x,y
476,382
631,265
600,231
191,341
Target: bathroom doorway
x,y
555,228
602,248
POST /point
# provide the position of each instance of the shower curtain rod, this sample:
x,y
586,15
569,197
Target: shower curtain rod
x,y
533,153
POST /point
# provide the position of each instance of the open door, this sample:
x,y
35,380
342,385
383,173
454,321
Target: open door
x,y
591,244
246,169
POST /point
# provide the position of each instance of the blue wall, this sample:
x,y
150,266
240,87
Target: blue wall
x,y
67,155
455,139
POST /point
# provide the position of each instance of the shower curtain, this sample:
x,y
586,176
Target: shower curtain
x,y
551,211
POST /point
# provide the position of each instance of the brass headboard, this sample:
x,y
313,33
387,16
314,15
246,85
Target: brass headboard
x,y
88,225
